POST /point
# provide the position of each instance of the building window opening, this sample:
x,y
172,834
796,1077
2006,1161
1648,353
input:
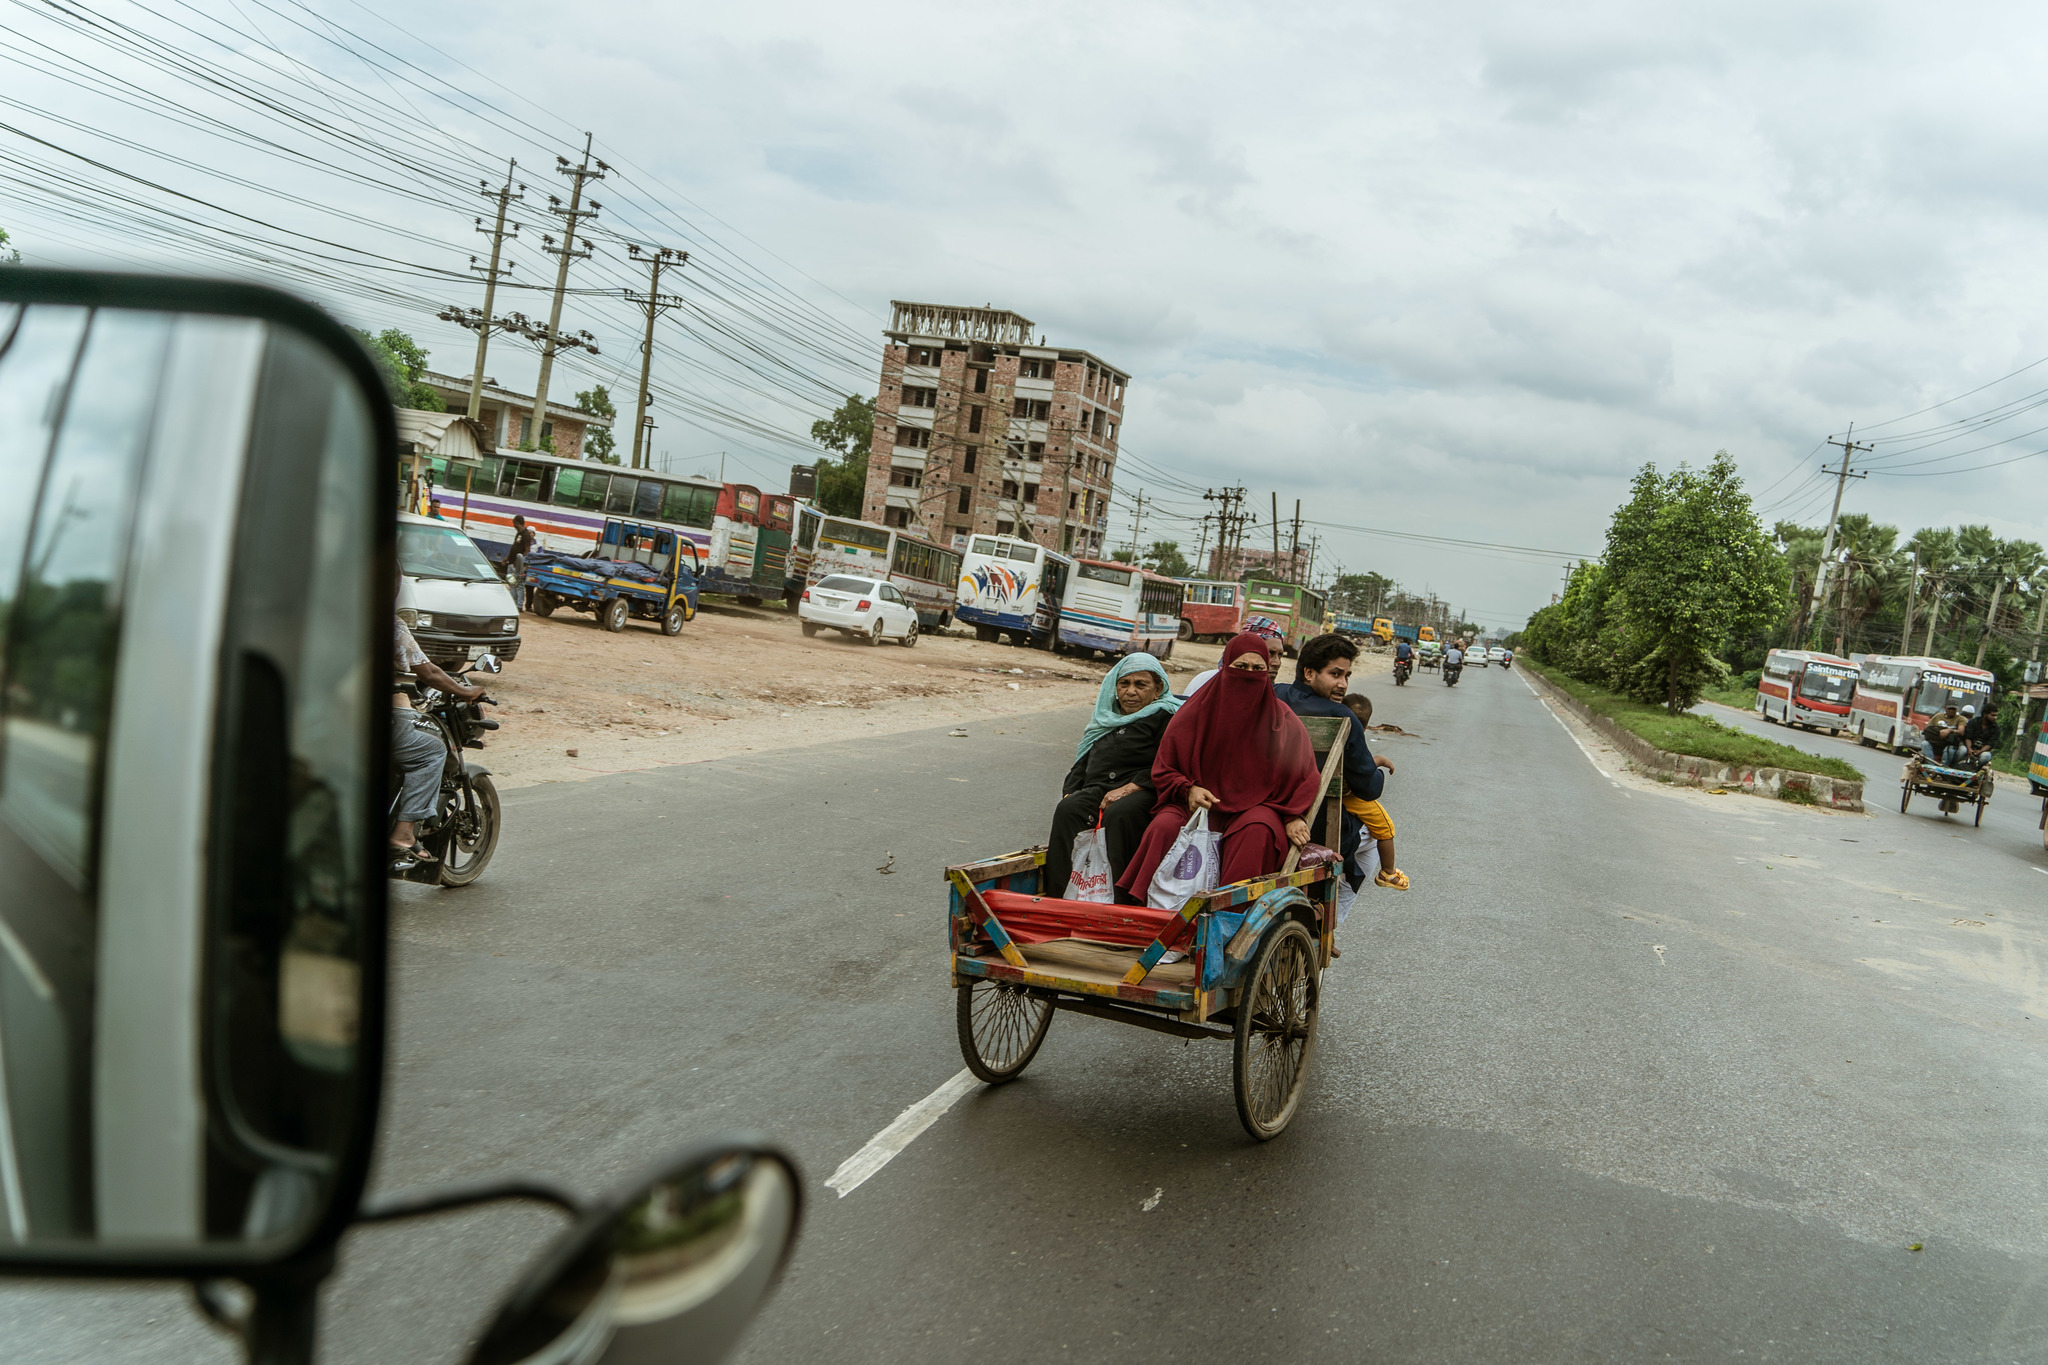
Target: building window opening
x,y
966,500
967,460
974,417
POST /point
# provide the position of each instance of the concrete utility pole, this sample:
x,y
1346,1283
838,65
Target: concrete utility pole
x,y
1933,614
1276,532
655,303
1230,523
1294,547
496,232
1990,620
1842,606
2034,658
1827,546
1138,524
552,341
1912,591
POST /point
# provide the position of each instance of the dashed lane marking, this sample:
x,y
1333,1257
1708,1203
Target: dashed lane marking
x,y
883,1147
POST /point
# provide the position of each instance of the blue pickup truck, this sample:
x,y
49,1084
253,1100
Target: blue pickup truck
x,y
635,570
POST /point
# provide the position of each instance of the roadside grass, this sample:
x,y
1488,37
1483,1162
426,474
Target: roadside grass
x,y
1741,698
1696,735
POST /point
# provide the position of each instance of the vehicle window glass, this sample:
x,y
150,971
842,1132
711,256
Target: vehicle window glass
x,y
807,530
568,487
38,347
620,496
841,583
66,606
852,533
1024,554
520,479
647,500
984,546
441,552
1095,573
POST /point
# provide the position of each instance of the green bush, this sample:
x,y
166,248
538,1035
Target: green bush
x,y
1696,736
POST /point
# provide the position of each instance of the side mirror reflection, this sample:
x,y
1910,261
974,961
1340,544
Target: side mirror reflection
x,y
488,663
671,1270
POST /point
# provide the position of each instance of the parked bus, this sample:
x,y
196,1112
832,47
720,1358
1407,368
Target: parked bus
x,y
739,535
1297,611
1896,697
928,576
1209,608
803,545
1119,609
1800,687
1011,585
749,551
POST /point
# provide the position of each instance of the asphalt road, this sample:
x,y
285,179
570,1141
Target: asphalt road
x,y
1629,1075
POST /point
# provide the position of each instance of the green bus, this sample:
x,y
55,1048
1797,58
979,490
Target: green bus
x,y
1296,610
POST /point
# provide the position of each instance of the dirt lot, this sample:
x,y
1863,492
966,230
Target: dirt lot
x,y
577,702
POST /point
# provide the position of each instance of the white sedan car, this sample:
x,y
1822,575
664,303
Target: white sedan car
x,y
1496,655
867,607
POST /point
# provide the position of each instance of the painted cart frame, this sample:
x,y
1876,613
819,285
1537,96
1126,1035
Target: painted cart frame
x,y
1255,951
1957,786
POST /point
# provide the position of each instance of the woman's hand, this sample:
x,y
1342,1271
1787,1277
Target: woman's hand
x,y
1118,794
1201,798
1297,832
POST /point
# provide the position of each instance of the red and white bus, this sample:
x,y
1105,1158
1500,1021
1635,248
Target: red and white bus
x,y
1800,687
1896,697
1210,608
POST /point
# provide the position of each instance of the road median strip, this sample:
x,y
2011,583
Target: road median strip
x,y
1796,776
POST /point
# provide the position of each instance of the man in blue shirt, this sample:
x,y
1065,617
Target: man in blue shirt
x,y
1322,675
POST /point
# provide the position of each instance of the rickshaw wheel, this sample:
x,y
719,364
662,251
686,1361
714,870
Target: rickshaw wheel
x,y
1000,1027
1276,1031
1905,797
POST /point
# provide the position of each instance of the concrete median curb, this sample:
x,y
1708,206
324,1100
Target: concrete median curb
x,y
1837,793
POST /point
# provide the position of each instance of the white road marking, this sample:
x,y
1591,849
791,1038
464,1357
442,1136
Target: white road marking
x,y
883,1146
1147,1205
1545,704
1658,949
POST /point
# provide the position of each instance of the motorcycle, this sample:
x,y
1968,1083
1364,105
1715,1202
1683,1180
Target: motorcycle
x,y
1403,669
462,833
1451,672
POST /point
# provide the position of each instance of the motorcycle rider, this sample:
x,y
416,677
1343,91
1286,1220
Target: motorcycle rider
x,y
1454,658
416,746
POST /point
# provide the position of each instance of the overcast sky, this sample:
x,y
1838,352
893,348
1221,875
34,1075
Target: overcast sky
x,y
1455,268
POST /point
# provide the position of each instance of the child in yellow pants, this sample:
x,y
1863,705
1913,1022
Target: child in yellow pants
x,y
1378,824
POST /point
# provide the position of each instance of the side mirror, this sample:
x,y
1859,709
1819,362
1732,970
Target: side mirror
x,y
195,635
488,663
668,1271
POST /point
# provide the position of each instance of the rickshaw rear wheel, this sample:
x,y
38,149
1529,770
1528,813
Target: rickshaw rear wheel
x,y
1905,797
1980,812
1276,1030
1000,1027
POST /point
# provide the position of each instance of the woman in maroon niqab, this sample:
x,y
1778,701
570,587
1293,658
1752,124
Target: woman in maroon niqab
x,y
1241,745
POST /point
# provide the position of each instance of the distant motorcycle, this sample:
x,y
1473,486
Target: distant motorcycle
x,y
462,833
1451,672
1403,668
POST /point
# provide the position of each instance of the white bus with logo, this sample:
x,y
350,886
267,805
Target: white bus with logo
x,y
1011,586
1119,609
1800,687
928,575
1896,697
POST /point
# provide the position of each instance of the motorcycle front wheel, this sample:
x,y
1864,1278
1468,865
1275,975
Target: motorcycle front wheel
x,y
471,819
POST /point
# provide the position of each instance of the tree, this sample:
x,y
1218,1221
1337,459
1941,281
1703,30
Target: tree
x,y
7,256
403,361
1361,594
849,431
1165,558
598,442
1692,568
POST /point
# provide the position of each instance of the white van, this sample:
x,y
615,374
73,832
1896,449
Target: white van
x,y
450,596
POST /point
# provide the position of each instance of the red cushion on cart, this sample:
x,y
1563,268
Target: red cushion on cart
x,y
1040,919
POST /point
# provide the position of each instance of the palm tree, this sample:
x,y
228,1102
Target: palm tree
x,y
1936,552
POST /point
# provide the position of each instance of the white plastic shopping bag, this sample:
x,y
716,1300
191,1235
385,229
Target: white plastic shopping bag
x,y
1189,867
1091,879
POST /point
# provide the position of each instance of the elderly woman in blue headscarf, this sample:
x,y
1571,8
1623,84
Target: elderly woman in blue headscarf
x,y
1111,779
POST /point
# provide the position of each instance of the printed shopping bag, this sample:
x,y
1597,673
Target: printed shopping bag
x,y
1091,879
1189,867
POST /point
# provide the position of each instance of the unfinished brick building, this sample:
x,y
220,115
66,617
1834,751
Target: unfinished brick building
x,y
977,430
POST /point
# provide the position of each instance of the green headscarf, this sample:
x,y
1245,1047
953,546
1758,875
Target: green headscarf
x,y
1107,717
